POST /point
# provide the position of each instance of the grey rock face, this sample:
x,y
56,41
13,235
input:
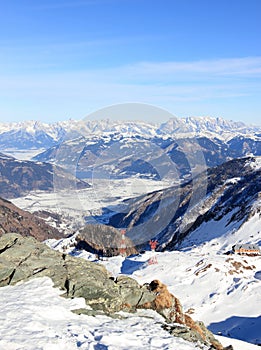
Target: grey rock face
x,y
132,293
24,258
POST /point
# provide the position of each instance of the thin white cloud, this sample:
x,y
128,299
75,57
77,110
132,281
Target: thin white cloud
x,y
101,87
166,77
184,85
247,66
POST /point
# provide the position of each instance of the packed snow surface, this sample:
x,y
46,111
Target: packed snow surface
x,y
35,317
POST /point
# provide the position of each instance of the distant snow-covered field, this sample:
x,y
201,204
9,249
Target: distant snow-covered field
x,y
78,207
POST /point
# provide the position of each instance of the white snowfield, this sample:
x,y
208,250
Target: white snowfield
x,y
35,317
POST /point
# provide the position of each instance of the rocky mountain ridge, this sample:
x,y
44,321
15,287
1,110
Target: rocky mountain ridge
x,y
229,192
17,220
20,177
119,156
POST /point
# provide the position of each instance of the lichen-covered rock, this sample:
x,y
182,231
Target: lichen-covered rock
x,y
184,332
24,258
133,294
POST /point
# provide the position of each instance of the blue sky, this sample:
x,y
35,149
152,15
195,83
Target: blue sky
x,y
66,59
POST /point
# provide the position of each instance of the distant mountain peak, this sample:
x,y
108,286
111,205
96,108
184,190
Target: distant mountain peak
x,y
33,134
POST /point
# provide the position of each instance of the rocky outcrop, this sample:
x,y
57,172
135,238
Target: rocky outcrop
x,y
25,258
103,240
170,308
165,303
14,219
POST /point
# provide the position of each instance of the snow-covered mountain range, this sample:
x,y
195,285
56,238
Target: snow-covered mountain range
x,y
124,156
35,134
111,149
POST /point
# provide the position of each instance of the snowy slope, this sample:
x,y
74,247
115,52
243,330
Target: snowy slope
x,y
215,203
43,320
221,290
34,317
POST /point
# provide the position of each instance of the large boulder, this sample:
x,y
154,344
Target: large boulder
x,y
171,309
103,240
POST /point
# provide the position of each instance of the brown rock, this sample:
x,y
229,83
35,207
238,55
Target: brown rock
x,y
170,307
103,240
165,303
